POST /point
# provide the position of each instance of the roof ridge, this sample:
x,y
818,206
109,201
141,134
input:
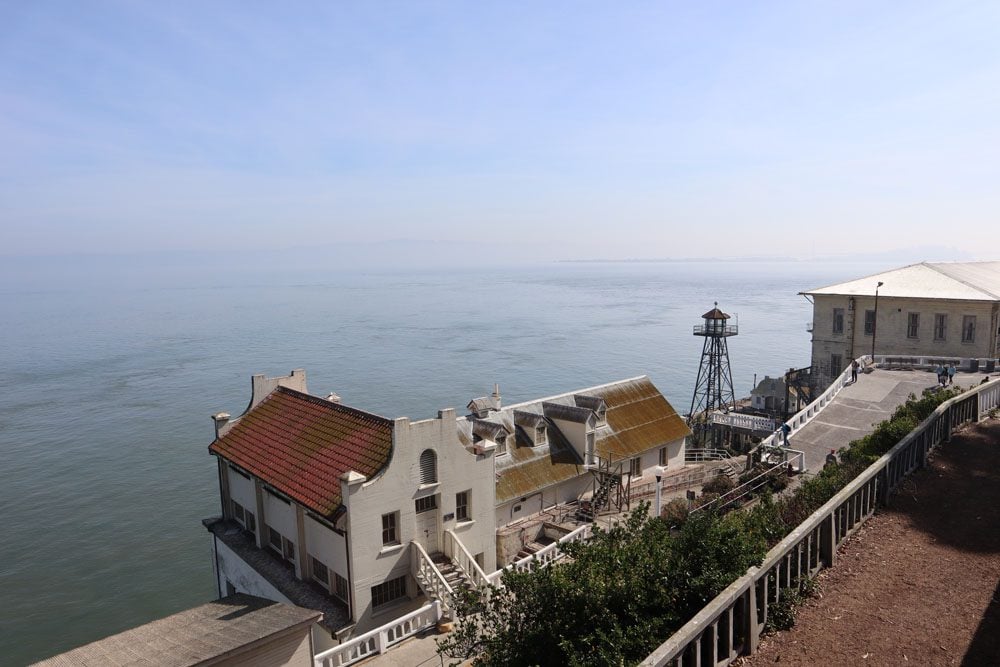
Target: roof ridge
x,y
870,275
575,391
937,266
335,406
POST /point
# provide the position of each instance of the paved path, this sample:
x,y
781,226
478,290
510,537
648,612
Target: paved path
x,y
859,407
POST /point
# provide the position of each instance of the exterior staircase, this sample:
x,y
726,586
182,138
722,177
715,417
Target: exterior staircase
x,y
716,458
453,574
608,480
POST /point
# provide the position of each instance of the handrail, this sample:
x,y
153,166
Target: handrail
x,y
806,414
467,562
425,572
380,639
731,624
543,557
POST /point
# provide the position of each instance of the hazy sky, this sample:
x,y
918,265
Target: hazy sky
x,y
553,130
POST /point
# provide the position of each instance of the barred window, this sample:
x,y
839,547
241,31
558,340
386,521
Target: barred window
x,y
340,587
274,537
912,325
389,591
838,320
940,326
869,322
320,572
238,513
969,329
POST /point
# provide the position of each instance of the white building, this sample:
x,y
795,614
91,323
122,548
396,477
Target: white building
x,y
948,311
336,509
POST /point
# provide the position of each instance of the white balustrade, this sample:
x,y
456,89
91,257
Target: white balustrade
x,y
380,639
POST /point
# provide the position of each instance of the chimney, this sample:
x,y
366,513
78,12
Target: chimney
x,y
333,397
496,396
221,422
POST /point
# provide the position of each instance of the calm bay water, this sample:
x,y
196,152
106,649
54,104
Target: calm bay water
x,y
105,396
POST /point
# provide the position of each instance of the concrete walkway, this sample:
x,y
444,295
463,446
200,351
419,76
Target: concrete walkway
x,y
859,407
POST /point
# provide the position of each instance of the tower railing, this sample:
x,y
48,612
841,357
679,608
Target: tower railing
x,y
716,330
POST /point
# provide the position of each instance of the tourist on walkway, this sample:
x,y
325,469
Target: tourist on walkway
x,y
951,374
854,371
942,374
831,458
785,430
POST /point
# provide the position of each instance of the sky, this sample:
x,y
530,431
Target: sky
x,y
546,131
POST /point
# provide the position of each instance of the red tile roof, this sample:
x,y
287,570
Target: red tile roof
x,y
301,445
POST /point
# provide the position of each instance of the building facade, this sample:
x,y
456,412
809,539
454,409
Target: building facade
x,y
333,508
948,311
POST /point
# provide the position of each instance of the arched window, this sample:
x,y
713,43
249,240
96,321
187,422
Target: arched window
x,y
428,467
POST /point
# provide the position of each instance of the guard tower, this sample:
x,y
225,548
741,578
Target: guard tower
x,y
714,388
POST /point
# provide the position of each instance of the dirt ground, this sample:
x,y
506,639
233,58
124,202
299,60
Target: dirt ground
x,y
919,583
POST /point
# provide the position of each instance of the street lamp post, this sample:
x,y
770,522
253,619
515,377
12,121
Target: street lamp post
x,y
875,320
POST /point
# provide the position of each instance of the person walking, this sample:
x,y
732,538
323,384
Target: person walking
x,y
785,430
831,458
854,371
940,374
951,374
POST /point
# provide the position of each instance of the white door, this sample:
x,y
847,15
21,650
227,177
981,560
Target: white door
x,y
427,524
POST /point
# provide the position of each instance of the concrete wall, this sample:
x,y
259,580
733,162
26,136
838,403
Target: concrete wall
x,y
242,576
397,488
891,330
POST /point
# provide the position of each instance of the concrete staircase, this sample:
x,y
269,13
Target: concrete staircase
x,y
452,574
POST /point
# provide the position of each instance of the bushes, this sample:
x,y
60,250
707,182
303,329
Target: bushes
x,y
675,512
719,485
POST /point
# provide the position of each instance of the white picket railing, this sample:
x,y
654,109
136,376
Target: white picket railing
x,y
731,624
460,556
544,556
739,420
380,639
430,579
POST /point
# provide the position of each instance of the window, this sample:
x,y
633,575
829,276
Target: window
x,y
389,522
340,587
320,572
940,326
969,329
274,537
238,513
501,444
462,505
838,320
836,364
635,467
289,550
426,504
393,589
251,523
428,467
541,437
912,325
663,456
869,322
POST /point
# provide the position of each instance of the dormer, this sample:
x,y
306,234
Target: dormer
x,y
594,403
487,430
534,426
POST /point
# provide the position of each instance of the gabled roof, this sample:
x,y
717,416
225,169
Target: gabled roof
x,y
963,281
301,445
768,385
638,419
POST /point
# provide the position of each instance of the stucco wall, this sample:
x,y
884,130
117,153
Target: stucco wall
x,y
891,330
396,489
242,576
241,490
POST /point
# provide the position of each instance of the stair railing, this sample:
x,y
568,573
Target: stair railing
x,y
460,556
429,578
